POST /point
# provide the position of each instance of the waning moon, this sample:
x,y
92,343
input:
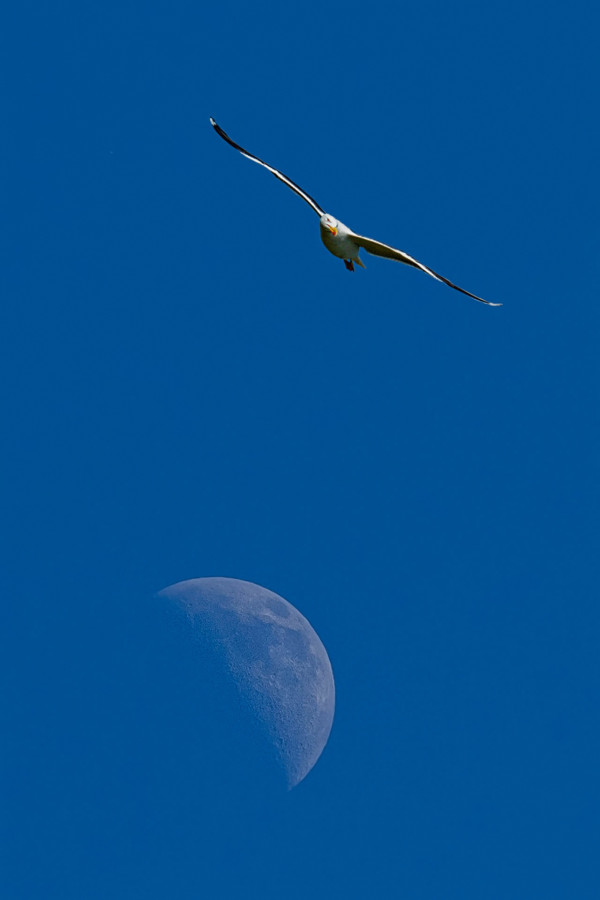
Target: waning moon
x,y
274,657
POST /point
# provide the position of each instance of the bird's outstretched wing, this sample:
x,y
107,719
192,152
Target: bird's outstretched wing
x,y
291,184
379,249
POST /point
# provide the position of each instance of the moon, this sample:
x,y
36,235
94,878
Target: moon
x,y
275,659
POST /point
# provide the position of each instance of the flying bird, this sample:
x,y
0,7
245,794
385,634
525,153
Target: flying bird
x,y
341,240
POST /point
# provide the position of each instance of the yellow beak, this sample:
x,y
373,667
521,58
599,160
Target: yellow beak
x,y
332,229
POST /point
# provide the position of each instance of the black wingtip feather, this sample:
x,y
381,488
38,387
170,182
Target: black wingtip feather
x,y
285,178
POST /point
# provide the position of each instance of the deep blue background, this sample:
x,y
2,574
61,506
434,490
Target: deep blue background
x,y
193,386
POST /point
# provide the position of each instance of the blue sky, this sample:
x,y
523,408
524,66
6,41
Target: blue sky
x,y
193,386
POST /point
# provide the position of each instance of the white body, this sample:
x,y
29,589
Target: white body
x,y
340,244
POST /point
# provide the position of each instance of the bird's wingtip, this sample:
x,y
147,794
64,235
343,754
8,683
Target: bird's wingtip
x,y
489,303
212,121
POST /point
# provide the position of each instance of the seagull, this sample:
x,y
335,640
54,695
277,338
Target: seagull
x,y
341,240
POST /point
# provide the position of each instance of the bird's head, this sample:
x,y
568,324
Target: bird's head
x,y
329,223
